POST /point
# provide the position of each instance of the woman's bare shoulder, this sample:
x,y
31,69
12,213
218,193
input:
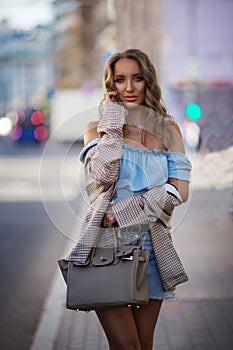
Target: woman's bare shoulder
x,y
90,132
177,144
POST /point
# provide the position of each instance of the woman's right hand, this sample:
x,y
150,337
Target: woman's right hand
x,y
110,96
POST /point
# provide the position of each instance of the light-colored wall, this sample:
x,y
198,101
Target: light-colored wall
x,y
198,40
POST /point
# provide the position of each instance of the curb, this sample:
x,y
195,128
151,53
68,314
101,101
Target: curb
x,y
54,305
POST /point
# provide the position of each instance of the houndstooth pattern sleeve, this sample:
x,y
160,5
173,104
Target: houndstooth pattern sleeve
x,y
155,207
102,160
169,264
101,166
155,204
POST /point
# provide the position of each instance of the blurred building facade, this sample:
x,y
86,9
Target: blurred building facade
x,y
78,28
189,42
198,41
89,31
198,68
185,39
140,24
26,66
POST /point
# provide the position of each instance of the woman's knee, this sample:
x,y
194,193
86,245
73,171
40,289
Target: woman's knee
x,y
120,329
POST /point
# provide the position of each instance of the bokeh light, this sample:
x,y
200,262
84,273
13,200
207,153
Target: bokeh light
x,y
16,132
193,111
37,117
40,132
21,116
5,126
13,116
192,135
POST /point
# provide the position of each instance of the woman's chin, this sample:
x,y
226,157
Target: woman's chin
x,y
130,105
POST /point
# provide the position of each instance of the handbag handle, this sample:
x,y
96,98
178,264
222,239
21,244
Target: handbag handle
x,y
123,252
98,239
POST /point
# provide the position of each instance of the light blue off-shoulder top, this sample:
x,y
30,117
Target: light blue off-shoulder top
x,y
142,169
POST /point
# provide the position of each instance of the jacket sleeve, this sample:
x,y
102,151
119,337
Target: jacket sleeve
x,y
102,161
156,204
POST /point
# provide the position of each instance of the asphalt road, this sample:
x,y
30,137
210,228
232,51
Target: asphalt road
x,y
30,247
32,235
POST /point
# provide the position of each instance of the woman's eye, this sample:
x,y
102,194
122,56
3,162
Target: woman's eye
x,y
119,80
138,78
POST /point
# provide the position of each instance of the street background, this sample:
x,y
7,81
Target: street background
x,y
35,234
52,54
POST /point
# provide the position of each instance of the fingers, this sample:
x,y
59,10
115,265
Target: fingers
x,y
109,97
109,220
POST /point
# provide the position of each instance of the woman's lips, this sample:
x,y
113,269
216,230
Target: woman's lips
x,y
131,98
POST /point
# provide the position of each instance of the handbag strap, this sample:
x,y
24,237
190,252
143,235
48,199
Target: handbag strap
x,y
144,258
113,230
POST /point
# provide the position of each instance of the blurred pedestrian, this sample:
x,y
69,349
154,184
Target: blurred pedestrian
x,y
136,173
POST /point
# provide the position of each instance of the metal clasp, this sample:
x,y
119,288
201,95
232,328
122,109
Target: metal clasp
x,y
127,258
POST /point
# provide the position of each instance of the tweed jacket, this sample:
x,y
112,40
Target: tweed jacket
x,y
155,207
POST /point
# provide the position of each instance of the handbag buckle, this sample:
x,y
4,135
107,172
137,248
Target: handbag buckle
x,y
130,258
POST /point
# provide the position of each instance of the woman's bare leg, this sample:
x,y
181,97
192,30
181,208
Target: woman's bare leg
x,y
120,328
130,328
145,319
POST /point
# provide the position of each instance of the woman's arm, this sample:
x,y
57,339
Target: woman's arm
x,y
102,160
137,207
181,186
177,145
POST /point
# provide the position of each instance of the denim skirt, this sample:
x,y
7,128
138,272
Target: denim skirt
x,y
156,290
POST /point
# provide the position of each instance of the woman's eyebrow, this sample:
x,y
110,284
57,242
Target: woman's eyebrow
x,y
122,75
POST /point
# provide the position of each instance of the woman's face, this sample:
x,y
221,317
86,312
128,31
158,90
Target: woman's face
x,y
129,82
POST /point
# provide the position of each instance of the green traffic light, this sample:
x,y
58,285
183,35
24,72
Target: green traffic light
x,y
193,111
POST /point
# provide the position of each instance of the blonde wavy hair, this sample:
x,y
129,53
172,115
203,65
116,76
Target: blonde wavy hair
x,y
153,92
158,121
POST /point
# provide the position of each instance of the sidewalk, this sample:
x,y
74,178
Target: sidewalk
x,y
183,325
201,318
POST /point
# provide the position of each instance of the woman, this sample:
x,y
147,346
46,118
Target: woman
x,y
137,146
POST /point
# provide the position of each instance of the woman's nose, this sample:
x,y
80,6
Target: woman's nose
x,y
129,86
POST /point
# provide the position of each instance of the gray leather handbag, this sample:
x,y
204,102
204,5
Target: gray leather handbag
x,y
113,277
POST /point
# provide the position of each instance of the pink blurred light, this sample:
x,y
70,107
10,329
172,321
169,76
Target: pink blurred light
x,y
37,117
21,117
16,132
40,132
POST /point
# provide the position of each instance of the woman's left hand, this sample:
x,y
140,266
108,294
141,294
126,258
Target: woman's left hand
x,y
109,219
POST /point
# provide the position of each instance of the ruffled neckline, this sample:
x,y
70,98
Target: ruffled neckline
x,y
144,150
